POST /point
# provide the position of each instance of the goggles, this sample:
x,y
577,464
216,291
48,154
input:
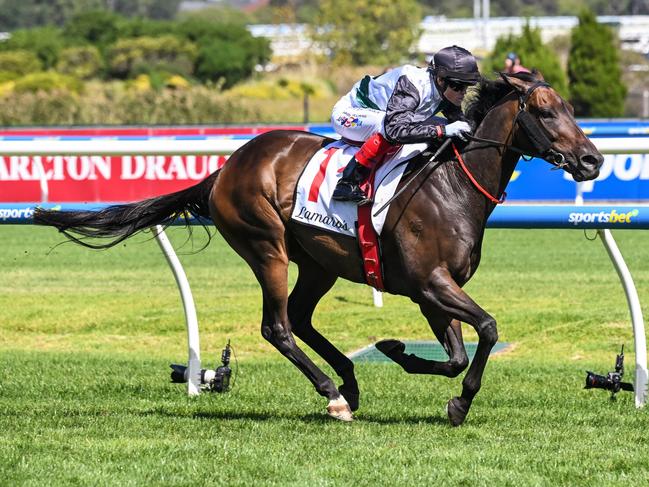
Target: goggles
x,y
457,86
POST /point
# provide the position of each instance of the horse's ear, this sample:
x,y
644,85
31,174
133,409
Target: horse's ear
x,y
537,74
514,82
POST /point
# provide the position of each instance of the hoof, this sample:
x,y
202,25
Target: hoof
x,y
339,409
393,349
351,396
457,409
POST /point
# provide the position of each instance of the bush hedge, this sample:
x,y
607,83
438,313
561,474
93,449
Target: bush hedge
x,y
83,62
19,62
47,81
129,57
122,103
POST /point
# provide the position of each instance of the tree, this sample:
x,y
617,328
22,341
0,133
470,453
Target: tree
x,y
286,11
594,70
32,13
97,27
534,55
227,52
168,54
153,9
221,15
369,32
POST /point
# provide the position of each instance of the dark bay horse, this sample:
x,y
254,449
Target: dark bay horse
x,y
431,239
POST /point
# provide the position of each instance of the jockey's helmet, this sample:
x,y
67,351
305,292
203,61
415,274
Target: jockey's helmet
x,y
455,63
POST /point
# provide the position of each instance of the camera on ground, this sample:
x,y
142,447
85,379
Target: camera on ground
x,y
217,380
611,381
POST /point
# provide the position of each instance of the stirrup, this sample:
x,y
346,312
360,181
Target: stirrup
x,y
348,191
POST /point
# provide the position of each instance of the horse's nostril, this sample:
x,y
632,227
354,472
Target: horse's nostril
x,y
592,160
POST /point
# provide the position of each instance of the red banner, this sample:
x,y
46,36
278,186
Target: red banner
x,y
144,131
74,179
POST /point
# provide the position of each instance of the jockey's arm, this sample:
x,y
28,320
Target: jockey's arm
x,y
400,124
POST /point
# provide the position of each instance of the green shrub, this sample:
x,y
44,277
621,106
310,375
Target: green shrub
x,y
8,76
130,57
98,27
47,81
123,103
83,62
19,62
41,108
282,89
169,106
177,82
44,42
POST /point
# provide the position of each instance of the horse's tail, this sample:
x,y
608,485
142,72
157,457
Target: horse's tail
x,y
118,222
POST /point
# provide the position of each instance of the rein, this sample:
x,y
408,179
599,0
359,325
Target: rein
x,y
486,193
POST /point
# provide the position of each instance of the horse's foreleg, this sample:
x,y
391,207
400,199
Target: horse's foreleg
x,y
448,332
313,282
448,296
276,328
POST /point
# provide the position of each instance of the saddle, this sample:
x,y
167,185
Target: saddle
x,y
313,205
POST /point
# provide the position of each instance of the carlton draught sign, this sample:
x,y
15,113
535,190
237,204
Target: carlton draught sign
x,y
130,178
102,178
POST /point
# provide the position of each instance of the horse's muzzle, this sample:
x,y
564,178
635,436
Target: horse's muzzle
x,y
588,167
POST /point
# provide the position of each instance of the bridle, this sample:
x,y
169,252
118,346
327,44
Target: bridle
x,y
542,145
537,135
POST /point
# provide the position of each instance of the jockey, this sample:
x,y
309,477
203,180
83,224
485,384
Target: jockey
x,y
398,107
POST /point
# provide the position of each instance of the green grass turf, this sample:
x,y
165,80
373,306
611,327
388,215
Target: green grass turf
x,y
86,338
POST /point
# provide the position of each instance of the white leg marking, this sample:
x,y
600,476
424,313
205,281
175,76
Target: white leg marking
x,y
339,409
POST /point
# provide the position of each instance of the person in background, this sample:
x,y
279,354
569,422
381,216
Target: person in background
x,y
513,64
398,107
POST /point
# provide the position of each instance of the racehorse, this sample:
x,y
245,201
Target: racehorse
x,y
431,239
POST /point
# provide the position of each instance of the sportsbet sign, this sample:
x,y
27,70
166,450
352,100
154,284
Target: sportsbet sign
x,y
623,177
612,216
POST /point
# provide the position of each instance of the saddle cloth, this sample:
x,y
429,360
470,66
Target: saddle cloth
x,y
313,204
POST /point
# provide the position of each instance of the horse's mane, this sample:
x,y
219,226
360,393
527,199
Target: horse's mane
x,y
488,93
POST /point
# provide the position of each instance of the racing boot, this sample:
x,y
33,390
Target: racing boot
x,y
348,187
359,168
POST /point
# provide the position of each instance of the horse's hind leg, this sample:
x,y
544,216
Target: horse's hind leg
x,y
448,333
313,282
272,274
253,228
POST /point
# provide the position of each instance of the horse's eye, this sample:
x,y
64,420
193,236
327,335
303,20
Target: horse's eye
x,y
546,113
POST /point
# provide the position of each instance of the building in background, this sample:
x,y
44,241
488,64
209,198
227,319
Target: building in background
x,y
292,41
